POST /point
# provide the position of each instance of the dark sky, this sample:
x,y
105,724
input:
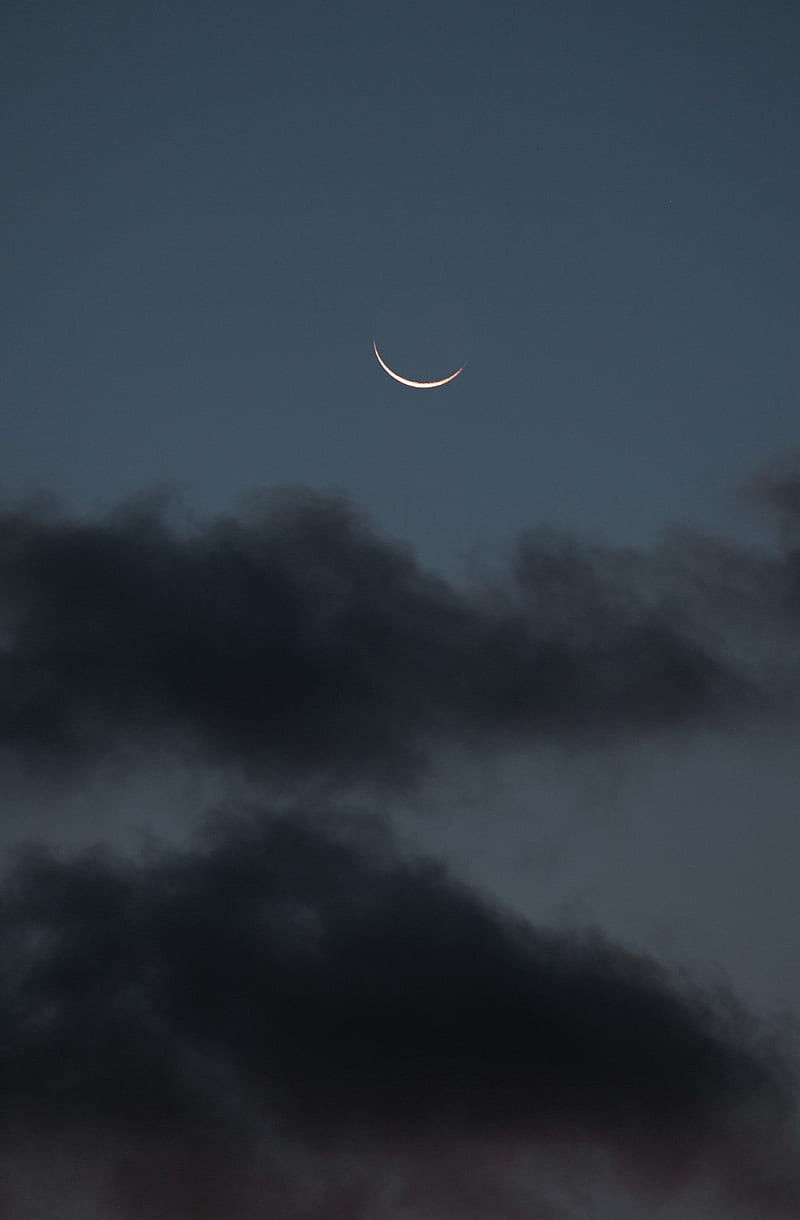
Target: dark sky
x,y
399,787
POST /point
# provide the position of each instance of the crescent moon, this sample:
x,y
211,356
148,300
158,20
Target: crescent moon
x,y
415,385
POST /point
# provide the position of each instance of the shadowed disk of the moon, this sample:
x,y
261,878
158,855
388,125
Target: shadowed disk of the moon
x,y
415,385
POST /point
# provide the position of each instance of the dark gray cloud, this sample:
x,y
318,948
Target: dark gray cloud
x,y
293,639
274,987
291,1015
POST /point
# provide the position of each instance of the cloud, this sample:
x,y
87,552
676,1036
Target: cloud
x,y
197,1027
295,641
290,1015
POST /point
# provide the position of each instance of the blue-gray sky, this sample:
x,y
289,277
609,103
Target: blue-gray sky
x,y
488,825
206,210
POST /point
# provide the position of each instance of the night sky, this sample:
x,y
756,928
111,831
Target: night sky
x,y
399,787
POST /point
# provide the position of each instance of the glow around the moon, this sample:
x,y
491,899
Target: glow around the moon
x,y
415,385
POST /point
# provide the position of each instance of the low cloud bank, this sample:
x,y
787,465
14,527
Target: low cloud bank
x,y
290,1016
295,641
278,987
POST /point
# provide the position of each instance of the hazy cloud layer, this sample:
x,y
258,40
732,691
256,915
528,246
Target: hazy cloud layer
x,y
296,641
276,988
